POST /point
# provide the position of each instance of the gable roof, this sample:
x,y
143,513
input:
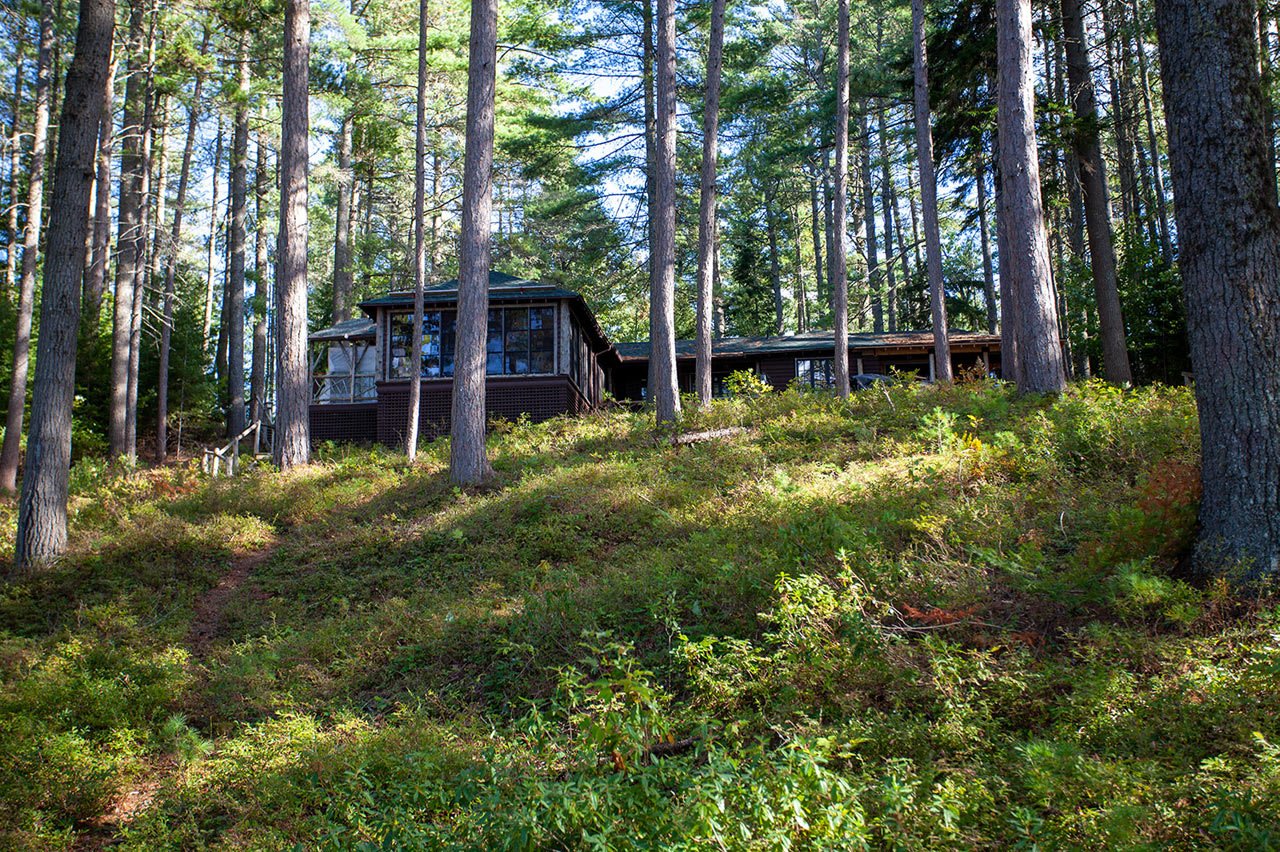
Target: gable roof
x,y
359,328
502,287
807,342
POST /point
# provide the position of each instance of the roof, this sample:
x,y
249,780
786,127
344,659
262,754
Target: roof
x,y
502,287
352,329
807,342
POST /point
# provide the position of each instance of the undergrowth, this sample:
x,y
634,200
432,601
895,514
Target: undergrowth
x,y
924,617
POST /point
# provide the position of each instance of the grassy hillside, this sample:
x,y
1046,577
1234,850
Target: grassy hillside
x,y
926,617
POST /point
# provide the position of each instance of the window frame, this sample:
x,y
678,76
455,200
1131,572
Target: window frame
x,y
807,380
392,316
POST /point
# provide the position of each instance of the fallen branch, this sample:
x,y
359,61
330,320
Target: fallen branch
x,y
712,435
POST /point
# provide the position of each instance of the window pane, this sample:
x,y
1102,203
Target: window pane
x,y
494,365
517,343
517,319
495,331
542,362
448,338
542,340
517,363
542,318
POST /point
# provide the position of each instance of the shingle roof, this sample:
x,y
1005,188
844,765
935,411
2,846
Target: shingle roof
x,y
808,341
352,329
502,287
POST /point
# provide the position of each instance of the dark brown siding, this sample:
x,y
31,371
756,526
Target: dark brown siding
x,y
355,422
541,397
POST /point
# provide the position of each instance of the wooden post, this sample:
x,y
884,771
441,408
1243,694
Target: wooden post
x,y
932,373
859,366
351,356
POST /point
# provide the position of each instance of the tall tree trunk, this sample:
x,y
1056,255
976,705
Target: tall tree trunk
x,y
42,509
1157,171
261,277
468,464
171,264
1008,292
209,282
238,245
802,300
839,230
929,198
129,233
1040,368
343,282
155,245
1118,85
437,176
1266,66
419,239
815,227
984,237
30,248
662,292
140,277
775,264
888,206
95,287
1097,204
1145,202
650,157
828,207
293,418
15,166
1229,224
874,284
707,205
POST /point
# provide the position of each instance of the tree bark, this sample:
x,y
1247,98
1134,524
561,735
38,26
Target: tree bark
x,y
30,249
775,263
1229,225
666,390
261,287
343,281
984,237
15,166
1039,350
840,271
238,243
707,204
874,284
1097,205
1157,171
293,419
209,283
129,231
419,239
140,277
171,263
1118,85
815,228
95,287
929,198
468,463
888,206
42,509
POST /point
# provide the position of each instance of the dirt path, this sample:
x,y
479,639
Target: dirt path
x,y
211,607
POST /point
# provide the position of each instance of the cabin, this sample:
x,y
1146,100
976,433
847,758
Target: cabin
x,y
807,359
547,355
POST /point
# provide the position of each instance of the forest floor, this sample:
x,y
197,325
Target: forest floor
x,y
932,617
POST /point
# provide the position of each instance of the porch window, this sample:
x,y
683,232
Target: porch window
x,y
438,338
815,372
521,341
